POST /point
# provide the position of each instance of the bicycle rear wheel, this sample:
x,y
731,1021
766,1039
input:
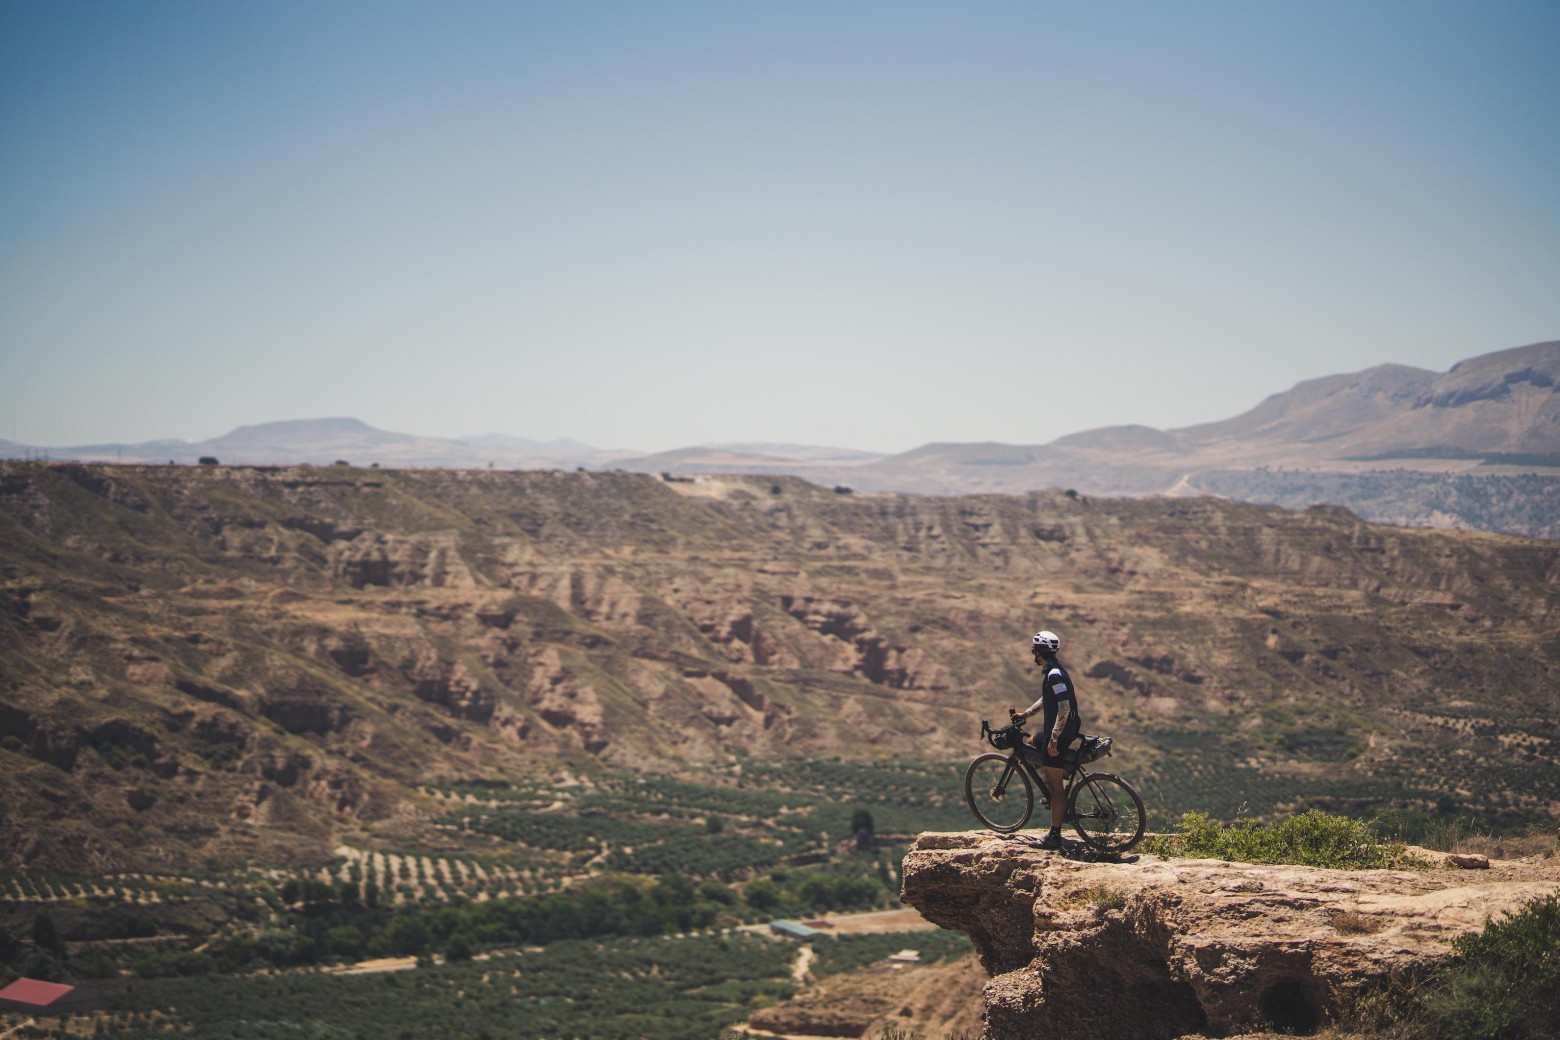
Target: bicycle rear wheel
x,y
1107,812
999,792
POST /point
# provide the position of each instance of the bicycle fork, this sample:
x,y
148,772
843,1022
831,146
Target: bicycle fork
x,y
999,789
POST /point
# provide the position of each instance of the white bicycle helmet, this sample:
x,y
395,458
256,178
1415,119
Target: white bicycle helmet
x,y
1047,641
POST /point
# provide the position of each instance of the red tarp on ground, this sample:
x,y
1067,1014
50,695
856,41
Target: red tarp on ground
x,y
31,991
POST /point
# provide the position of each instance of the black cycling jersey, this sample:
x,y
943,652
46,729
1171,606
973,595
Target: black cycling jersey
x,y
1056,696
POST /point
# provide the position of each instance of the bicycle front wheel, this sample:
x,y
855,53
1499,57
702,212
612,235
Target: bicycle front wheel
x,y
1107,812
999,792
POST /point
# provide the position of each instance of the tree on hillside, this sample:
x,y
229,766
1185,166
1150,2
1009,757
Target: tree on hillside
x,y
762,894
46,937
862,829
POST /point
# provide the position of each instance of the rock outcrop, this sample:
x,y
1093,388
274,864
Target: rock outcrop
x,y
1162,948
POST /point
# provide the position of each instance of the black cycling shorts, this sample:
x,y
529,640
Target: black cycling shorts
x,y
1047,760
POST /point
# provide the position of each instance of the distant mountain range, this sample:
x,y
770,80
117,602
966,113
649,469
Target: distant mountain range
x,y
325,441
1391,442
1498,412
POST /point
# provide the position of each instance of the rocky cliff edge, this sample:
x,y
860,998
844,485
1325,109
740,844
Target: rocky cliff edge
x,y
1154,948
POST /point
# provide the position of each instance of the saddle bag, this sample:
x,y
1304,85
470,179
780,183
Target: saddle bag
x,y
1091,748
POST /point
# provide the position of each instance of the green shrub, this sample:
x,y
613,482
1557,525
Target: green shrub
x,y
284,949
1106,898
39,964
94,964
763,894
1312,838
459,948
344,941
173,962
1504,981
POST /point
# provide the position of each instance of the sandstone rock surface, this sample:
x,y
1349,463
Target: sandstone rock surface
x,y
883,999
1161,948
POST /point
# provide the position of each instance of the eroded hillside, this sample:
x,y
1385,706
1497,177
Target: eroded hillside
x,y
221,663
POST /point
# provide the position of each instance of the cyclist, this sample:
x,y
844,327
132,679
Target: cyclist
x,y
1059,702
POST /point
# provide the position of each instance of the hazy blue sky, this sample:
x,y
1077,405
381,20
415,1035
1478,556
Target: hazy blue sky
x,y
648,224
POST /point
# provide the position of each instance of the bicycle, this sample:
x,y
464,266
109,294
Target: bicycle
x,y
1102,807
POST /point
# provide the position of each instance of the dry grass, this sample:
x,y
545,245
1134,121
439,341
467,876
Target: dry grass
x,y
1106,898
1353,923
1542,843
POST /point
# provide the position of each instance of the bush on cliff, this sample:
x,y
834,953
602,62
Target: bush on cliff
x,y
1504,981
1312,838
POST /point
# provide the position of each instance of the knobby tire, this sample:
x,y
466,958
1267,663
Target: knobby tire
x,y
1107,812
999,807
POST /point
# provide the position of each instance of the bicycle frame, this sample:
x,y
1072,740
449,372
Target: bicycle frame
x,y
1016,758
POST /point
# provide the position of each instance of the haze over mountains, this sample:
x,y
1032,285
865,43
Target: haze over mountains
x,y
324,441
1477,446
